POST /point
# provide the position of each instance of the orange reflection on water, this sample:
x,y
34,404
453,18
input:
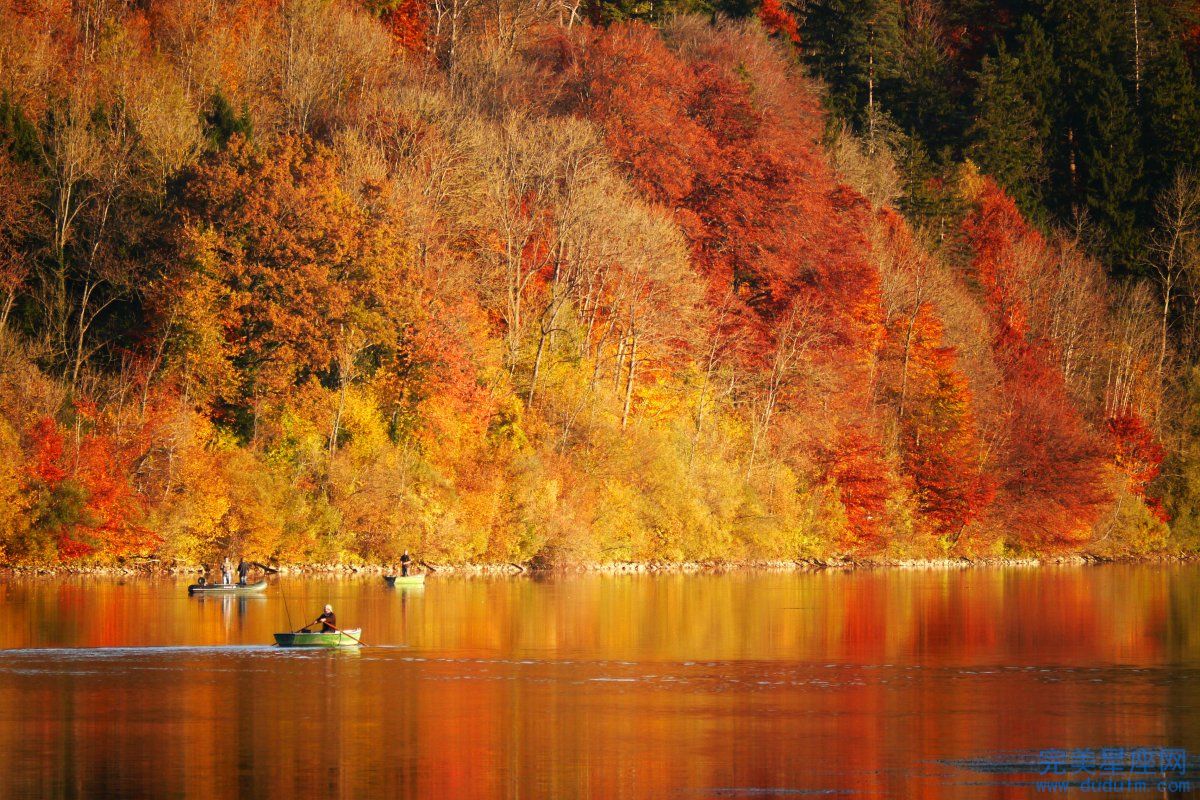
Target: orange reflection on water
x,y
877,684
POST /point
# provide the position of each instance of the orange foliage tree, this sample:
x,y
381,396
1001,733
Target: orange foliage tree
x,y
285,278
938,434
935,411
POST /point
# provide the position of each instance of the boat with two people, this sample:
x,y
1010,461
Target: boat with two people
x,y
204,588
227,586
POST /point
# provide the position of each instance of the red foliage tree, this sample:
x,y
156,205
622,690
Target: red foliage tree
x,y
85,499
744,175
858,466
407,22
1139,456
776,19
1051,473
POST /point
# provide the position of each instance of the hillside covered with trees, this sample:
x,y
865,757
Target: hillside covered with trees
x,y
514,280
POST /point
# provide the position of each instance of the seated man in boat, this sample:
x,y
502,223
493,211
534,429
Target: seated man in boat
x,y
328,621
405,560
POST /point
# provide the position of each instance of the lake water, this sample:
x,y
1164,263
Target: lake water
x,y
943,684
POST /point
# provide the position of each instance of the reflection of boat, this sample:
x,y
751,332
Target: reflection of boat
x,y
405,580
346,638
227,588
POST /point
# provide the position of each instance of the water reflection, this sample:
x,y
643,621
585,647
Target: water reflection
x,y
878,684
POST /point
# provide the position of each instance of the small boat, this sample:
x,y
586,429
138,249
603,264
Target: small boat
x,y
346,638
227,588
405,580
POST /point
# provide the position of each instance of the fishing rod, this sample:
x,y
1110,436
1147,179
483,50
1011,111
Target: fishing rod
x,y
286,610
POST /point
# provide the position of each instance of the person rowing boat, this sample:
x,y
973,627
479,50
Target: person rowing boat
x,y
327,619
330,634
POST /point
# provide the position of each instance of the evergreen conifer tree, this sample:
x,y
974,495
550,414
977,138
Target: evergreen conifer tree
x,y
1098,163
1006,135
1171,112
221,123
853,45
1111,165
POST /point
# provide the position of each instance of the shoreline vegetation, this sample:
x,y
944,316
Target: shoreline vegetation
x,y
322,281
158,569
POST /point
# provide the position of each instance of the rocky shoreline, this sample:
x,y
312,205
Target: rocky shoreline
x,y
841,563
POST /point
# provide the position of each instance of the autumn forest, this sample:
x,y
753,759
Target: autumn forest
x,y
593,281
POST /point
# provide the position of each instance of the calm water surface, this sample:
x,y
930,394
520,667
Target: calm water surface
x,y
874,684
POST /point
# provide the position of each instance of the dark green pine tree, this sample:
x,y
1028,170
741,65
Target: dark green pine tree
x,y
1040,77
221,123
1171,116
1096,156
1111,166
17,133
854,46
1006,139
929,96
931,199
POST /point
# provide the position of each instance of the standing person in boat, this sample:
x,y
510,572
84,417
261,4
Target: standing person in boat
x,y
226,572
405,561
243,571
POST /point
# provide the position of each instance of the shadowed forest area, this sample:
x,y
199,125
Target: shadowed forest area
x,y
543,280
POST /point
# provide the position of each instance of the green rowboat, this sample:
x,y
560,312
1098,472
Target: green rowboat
x,y
346,638
227,588
405,580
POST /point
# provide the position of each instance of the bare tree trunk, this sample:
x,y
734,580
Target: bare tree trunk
x,y
537,367
1162,347
9,299
619,365
701,403
81,330
1137,55
351,346
337,422
871,95
908,335
629,379
159,352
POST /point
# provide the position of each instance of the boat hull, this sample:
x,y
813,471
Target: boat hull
x,y
405,580
227,588
346,638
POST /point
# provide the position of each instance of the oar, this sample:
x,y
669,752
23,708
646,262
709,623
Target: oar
x,y
348,636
